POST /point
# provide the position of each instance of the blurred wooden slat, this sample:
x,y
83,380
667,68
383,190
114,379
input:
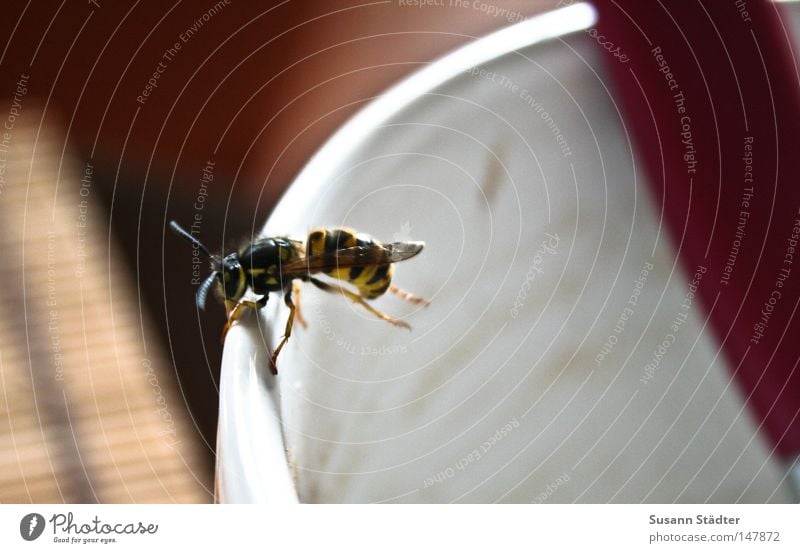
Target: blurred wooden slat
x,y
86,412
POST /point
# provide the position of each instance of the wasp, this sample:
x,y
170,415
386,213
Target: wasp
x,y
276,264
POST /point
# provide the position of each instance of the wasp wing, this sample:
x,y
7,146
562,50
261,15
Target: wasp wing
x,y
357,256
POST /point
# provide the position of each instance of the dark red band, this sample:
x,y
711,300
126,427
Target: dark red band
x,y
711,95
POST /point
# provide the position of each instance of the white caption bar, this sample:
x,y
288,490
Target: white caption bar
x,y
400,528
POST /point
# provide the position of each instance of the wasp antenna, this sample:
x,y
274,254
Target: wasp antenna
x,y
202,292
178,230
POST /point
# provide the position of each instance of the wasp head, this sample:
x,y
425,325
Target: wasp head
x,y
232,277
228,271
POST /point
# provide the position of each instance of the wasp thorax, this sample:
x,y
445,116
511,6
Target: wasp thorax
x,y
262,261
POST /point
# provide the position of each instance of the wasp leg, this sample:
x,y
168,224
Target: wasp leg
x,y
237,311
409,297
288,332
299,313
358,299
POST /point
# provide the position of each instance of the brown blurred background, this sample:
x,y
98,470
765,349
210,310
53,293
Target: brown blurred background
x,y
122,118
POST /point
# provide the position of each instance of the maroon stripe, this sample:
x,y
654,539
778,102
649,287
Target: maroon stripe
x,y
738,83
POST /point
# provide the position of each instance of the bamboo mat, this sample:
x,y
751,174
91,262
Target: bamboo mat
x,y
88,412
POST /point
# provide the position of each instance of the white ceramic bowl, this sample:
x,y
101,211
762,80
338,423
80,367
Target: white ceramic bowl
x,y
509,159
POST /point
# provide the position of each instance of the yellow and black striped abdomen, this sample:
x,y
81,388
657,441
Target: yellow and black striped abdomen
x,y
371,280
